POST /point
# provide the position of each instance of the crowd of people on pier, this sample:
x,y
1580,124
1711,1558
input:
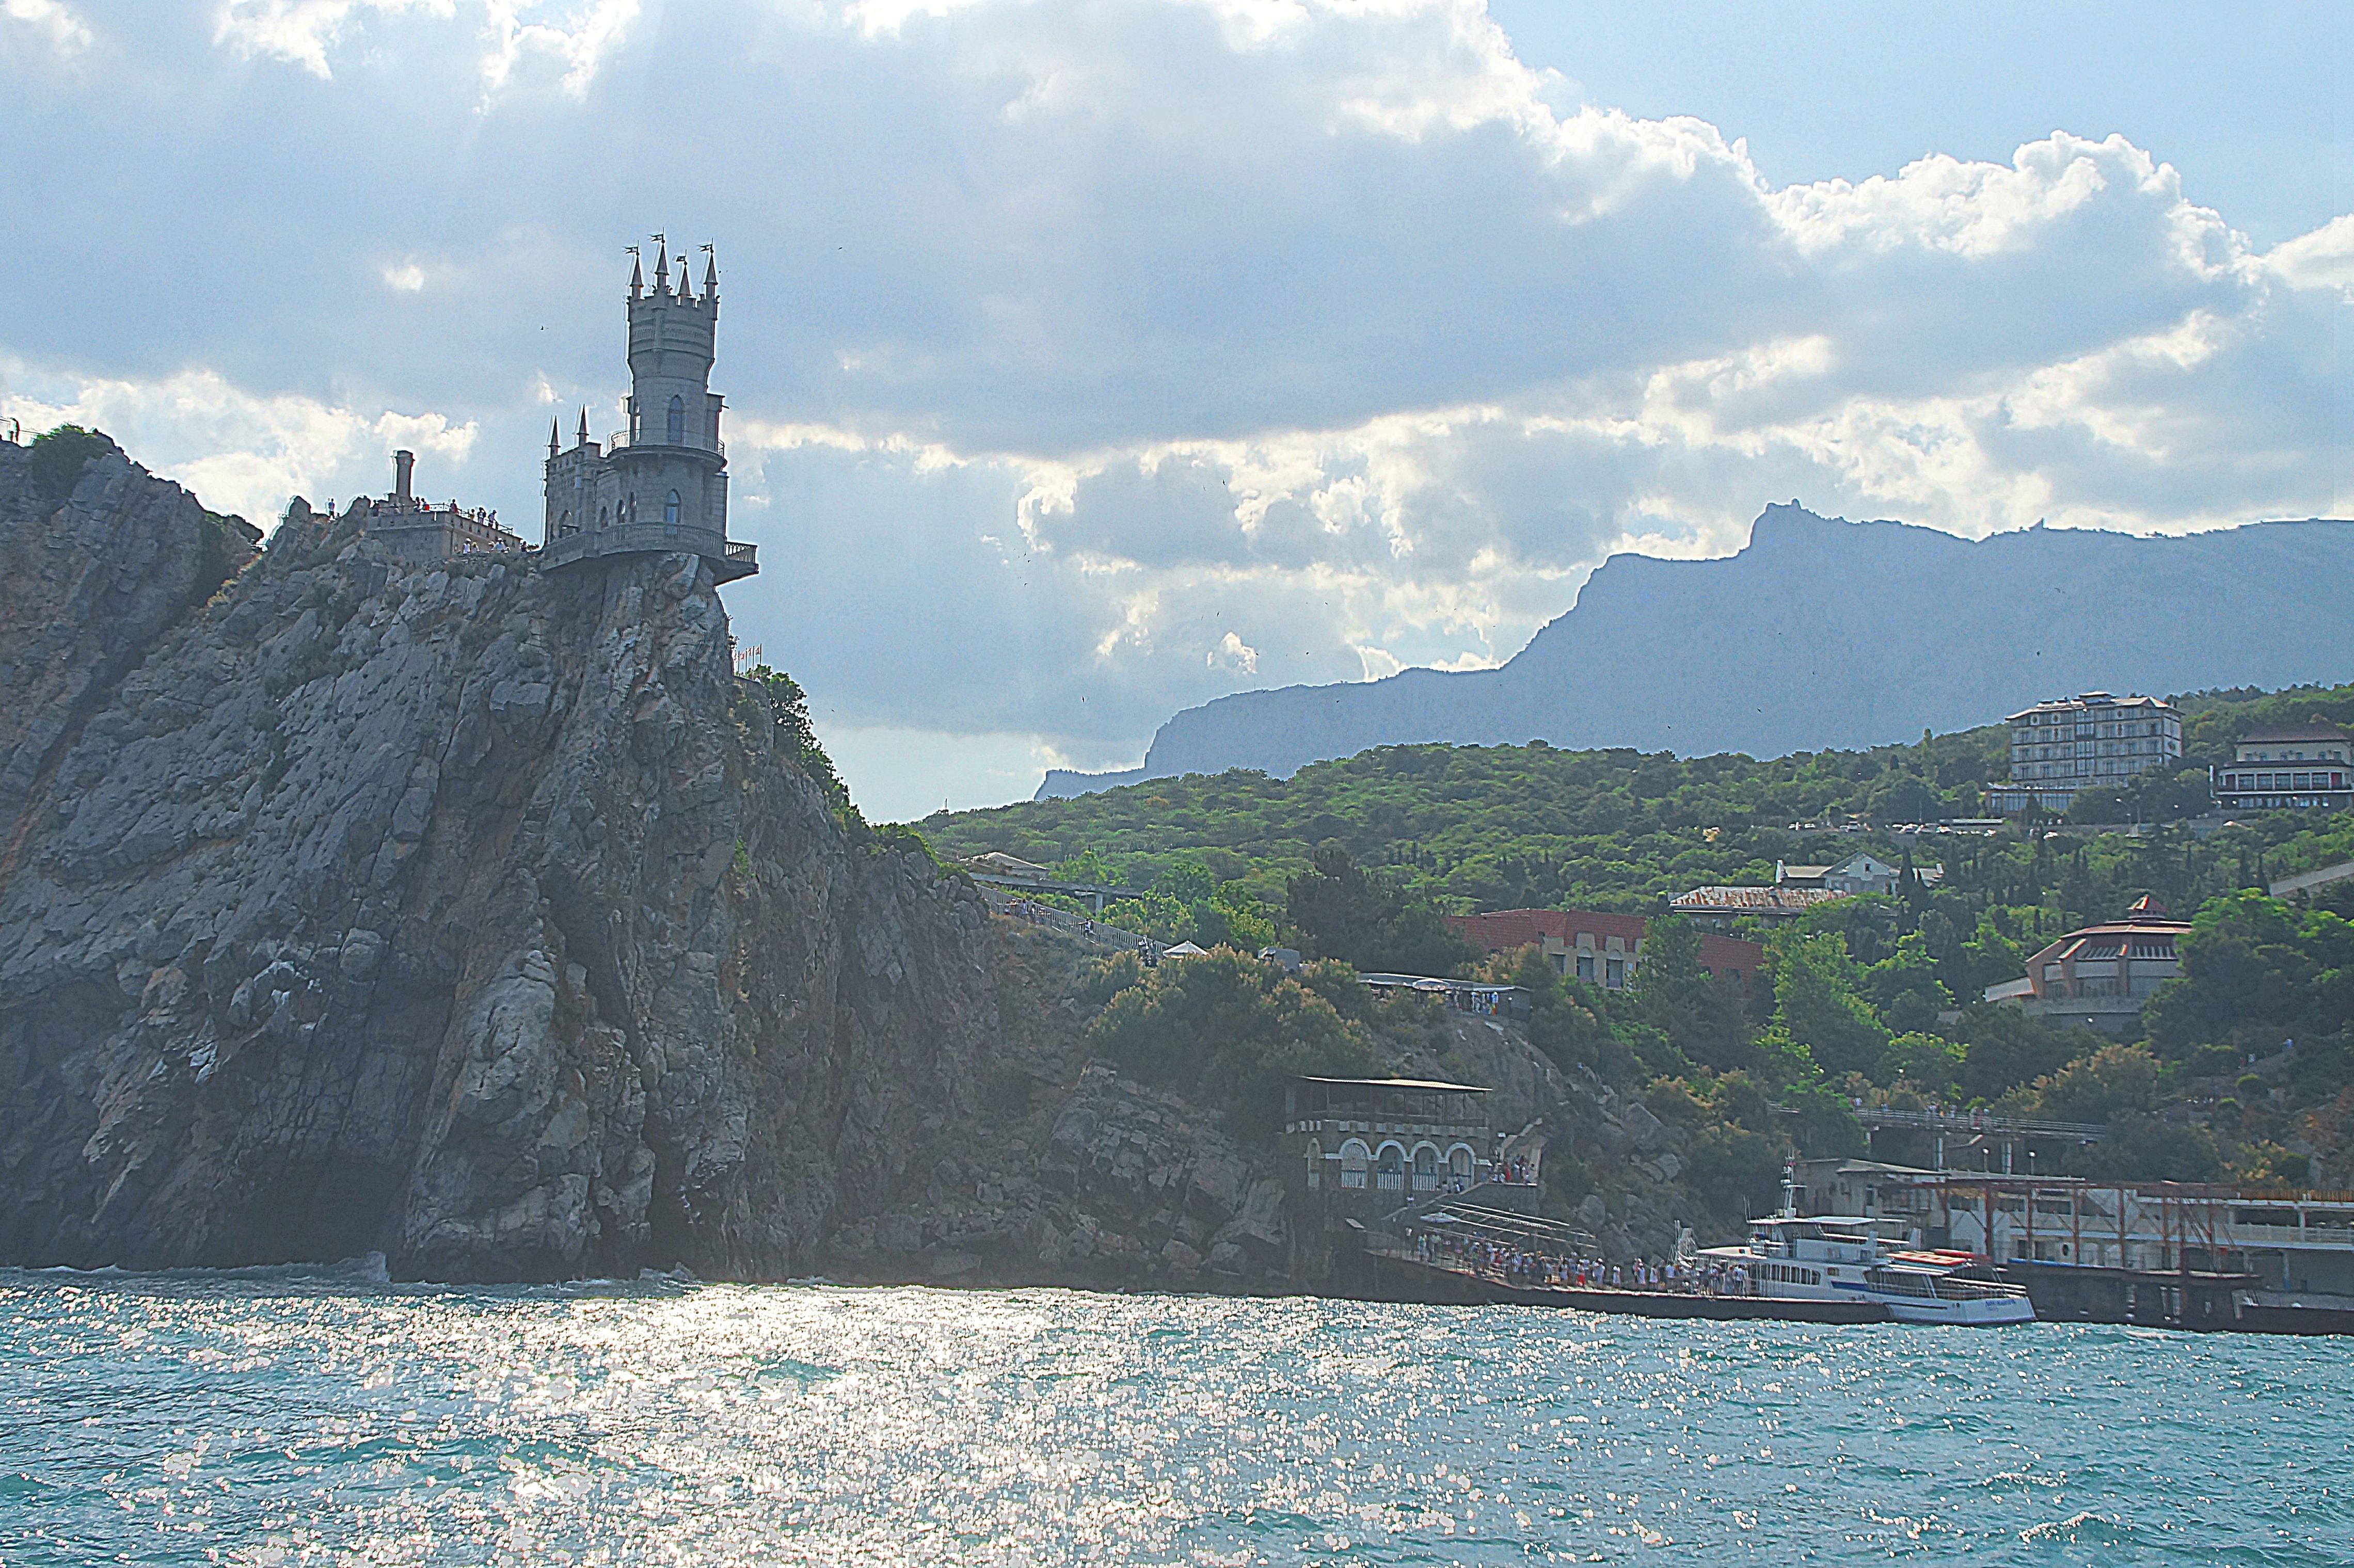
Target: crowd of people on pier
x,y
1509,1263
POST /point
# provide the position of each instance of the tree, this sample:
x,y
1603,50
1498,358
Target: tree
x,y
1904,989
1335,905
2101,1086
1561,1023
1085,867
2255,972
1344,912
1233,1030
796,737
1818,1010
1186,880
1704,1017
2003,1048
1928,1062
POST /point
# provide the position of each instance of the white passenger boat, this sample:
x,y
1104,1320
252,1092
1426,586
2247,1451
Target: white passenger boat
x,y
1820,1258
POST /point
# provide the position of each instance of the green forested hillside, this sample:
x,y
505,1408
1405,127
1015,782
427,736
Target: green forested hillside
x,y
1492,826
1534,826
1868,998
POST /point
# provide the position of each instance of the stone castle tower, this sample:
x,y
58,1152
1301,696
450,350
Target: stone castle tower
x,y
662,484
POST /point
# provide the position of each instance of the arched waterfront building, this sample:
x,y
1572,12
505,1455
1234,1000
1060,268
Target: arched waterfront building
x,y
661,484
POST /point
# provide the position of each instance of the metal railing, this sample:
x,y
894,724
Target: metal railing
x,y
1979,1121
620,439
1070,925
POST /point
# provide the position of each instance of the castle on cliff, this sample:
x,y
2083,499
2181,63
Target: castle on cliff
x,y
661,485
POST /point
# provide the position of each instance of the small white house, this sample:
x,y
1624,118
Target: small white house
x,y
1857,873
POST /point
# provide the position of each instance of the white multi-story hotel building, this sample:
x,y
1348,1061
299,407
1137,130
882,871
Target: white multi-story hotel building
x,y
2288,766
2087,742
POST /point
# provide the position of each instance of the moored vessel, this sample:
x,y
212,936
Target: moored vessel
x,y
1821,1258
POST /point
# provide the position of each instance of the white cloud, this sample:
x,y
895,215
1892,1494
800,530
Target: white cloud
x,y
237,450
1233,653
58,24
510,35
511,40
1085,361
2321,260
302,32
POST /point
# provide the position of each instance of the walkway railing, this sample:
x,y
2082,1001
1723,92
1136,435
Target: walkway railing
x,y
1877,1116
1071,925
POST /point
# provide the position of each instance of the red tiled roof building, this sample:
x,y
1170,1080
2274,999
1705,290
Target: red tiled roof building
x,y
1601,950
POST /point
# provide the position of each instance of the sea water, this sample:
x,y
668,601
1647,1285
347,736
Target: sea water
x,y
283,1417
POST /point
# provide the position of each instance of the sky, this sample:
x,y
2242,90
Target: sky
x,y
1090,359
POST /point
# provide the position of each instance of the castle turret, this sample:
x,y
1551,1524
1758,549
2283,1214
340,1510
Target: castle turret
x,y
672,345
662,483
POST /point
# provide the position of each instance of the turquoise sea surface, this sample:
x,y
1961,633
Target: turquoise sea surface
x,y
326,1417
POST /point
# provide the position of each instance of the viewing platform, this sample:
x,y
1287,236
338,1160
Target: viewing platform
x,y
731,559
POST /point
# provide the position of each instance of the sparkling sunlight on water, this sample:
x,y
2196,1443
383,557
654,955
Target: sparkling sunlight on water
x,y
281,1418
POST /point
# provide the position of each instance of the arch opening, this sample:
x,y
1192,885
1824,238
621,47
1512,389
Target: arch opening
x,y
1356,1158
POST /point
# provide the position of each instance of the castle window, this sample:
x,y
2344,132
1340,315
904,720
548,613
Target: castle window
x,y
677,436
670,513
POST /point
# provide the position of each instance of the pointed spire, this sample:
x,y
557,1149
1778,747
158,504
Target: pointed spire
x,y
710,274
551,435
583,427
685,283
637,274
662,272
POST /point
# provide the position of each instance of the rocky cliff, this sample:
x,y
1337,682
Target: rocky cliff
x,y
464,914
1823,633
484,918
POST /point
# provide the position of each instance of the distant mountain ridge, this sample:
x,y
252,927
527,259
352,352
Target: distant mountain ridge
x,y
1823,633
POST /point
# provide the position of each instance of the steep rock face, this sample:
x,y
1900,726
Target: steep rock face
x,y
465,914
85,587
1824,634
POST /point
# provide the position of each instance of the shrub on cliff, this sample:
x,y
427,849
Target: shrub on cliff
x,y
1230,1030
60,456
797,742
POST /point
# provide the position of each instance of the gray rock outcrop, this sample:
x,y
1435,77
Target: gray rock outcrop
x,y
86,587
462,913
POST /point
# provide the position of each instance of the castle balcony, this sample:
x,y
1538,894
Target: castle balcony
x,y
729,558
619,442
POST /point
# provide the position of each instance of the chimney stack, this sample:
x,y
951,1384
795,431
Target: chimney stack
x,y
404,463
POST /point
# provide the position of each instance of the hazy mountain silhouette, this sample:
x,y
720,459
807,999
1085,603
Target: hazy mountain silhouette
x,y
1825,634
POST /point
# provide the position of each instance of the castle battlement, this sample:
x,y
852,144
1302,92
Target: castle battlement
x,y
661,483
416,529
